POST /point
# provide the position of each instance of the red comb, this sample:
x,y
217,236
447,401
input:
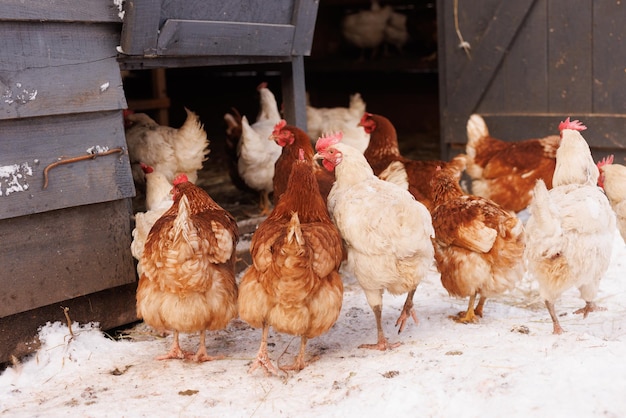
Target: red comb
x,y
328,140
146,168
280,125
606,161
181,178
263,85
364,117
300,154
575,125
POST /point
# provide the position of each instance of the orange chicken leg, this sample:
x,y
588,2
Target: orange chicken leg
x,y
382,343
262,359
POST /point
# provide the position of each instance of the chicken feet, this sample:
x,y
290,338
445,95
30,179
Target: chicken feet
x,y
470,316
299,362
262,359
589,307
175,352
382,343
407,311
202,355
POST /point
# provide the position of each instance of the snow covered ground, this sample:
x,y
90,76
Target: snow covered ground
x,y
509,365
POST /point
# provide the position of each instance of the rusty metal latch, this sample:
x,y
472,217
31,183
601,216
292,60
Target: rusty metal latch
x,y
76,159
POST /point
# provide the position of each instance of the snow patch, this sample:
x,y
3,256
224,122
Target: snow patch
x,y
13,178
120,8
18,95
97,149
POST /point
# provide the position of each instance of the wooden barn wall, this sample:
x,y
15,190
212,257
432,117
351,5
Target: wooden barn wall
x,y
29,145
533,63
63,254
61,102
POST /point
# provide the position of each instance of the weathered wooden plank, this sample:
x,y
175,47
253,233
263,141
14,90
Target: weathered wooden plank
x,y
190,37
305,15
609,50
294,92
61,10
111,308
488,54
521,82
251,11
570,56
60,255
56,68
27,146
128,62
141,27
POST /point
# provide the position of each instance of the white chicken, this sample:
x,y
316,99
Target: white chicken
x,y
366,29
168,150
325,120
613,181
256,152
396,33
571,227
386,231
158,200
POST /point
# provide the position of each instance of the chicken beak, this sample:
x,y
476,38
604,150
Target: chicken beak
x,y
318,156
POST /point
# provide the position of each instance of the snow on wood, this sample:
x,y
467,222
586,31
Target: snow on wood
x,y
13,178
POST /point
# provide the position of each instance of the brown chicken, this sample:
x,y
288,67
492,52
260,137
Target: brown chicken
x,y
479,246
188,280
294,139
293,284
506,172
383,154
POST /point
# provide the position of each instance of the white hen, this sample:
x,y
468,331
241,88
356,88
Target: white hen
x,y
387,232
571,227
168,150
366,29
326,120
158,200
256,152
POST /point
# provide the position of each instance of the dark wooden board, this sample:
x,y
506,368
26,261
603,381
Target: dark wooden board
x,y
60,10
191,37
111,308
141,27
56,68
257,11
64,254
609,50
28,146
570,65
533,67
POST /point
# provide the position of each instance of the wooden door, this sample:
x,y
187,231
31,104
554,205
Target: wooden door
x,y
531,63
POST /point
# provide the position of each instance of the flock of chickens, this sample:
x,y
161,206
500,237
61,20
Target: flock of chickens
x,y
365,209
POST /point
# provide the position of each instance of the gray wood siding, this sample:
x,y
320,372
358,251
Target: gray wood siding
x,y
61,96
57,68
60,255
60,10
533,63
37,142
